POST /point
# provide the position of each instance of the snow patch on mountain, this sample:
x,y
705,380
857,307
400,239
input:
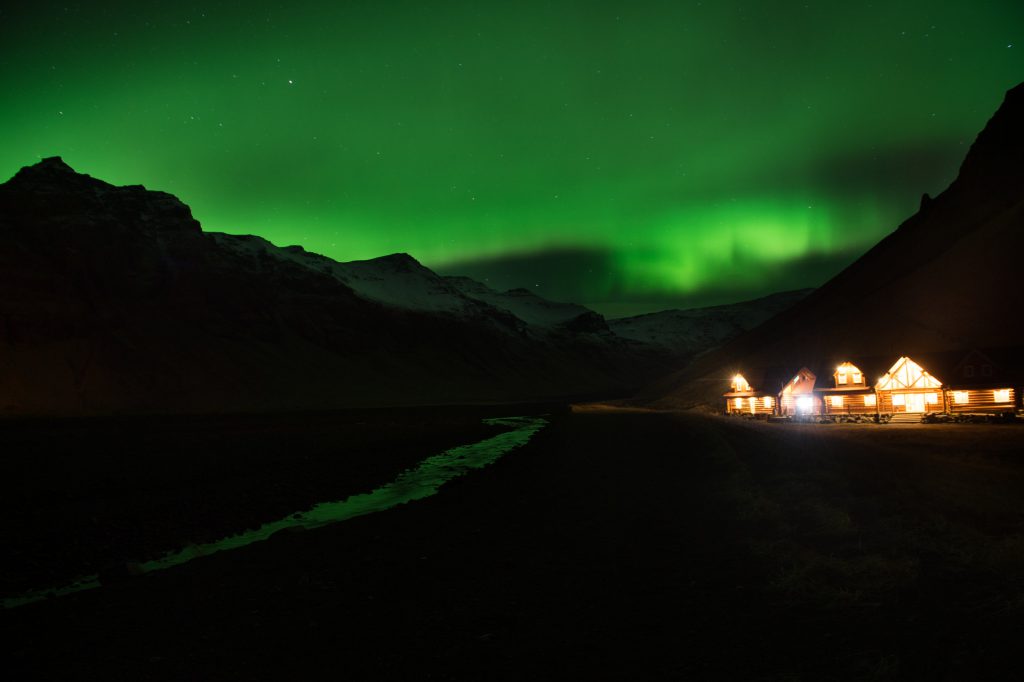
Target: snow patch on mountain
x,y
397,280
524,304
698,329
400,281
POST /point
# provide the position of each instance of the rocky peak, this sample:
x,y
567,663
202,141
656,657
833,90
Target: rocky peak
x,y
521,292
51,175
51,191
399,262
995,162
51,164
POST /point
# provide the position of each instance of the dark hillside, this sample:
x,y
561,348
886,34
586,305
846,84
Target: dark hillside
x,y
948,279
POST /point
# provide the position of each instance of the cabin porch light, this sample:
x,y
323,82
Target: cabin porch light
x,y
804,404
1001,395
961,397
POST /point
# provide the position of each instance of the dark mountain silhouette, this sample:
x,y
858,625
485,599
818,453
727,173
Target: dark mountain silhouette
x,y
115,300
948,279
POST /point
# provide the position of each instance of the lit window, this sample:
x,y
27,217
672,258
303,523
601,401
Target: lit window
x,y
899,399
837,401
1001,395
739,384
752,401
960,397
841,378
856,377
738,403
869,400
931,398
768,402
804,404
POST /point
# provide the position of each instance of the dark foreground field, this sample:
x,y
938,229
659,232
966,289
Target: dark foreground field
x,y
616,545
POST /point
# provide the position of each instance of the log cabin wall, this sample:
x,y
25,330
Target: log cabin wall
x,y
987,400
734,405
863,403
895,402
750,404
765,405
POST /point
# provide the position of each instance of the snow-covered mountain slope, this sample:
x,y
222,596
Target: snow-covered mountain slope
x,y
699,329
530,307
400,281
397,280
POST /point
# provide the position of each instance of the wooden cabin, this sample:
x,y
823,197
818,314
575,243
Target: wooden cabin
x,y
797,397
743,399
850,393
980,385
908,388
989,382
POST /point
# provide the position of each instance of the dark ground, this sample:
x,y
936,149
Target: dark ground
x,y
616,545
84,496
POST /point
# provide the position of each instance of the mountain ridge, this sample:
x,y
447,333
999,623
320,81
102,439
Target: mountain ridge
x,y
116,301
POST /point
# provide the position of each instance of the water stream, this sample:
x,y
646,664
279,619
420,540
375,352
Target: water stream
x,y
413,484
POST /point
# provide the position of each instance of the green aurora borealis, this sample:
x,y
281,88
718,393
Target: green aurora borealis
x,y
631,156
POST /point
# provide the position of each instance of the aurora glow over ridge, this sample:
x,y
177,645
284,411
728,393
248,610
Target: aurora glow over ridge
x,y
630,157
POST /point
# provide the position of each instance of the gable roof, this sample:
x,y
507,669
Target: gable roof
x,y
906,373
801,382
1007,366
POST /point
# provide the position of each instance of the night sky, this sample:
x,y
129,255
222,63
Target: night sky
x,y
630,156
